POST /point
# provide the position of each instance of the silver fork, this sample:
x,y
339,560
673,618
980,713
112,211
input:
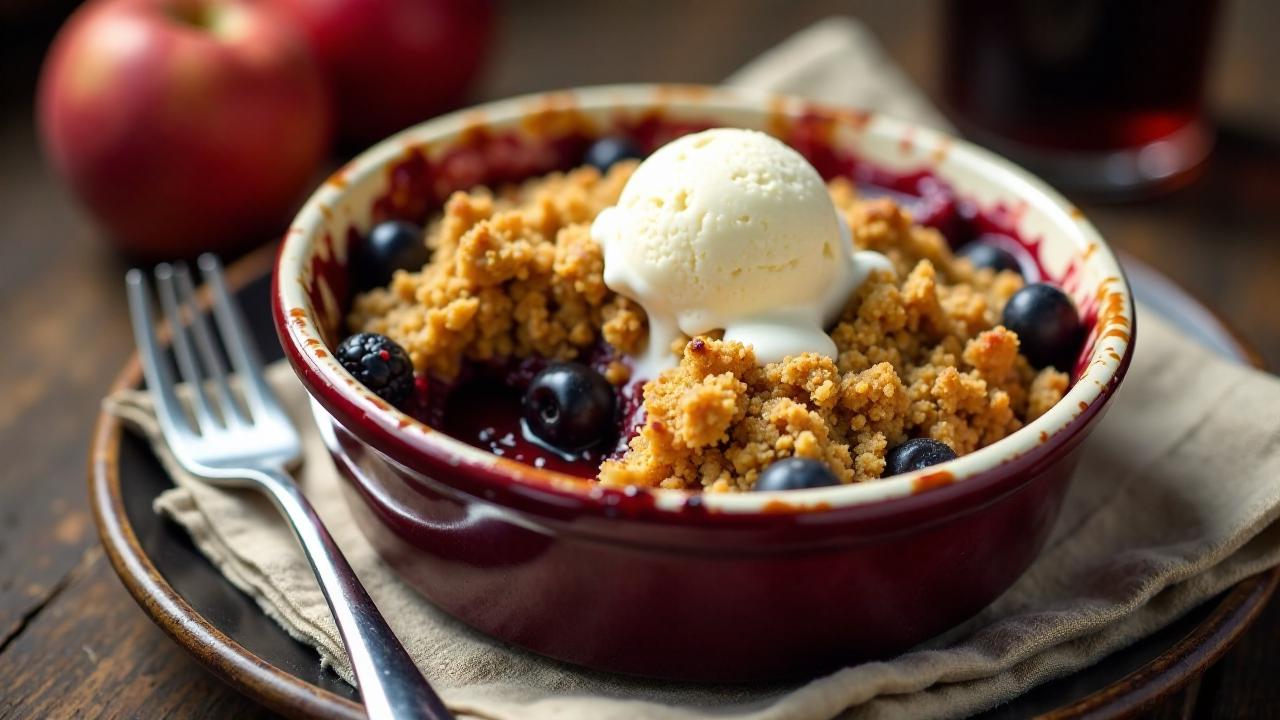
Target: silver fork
x,y
251,445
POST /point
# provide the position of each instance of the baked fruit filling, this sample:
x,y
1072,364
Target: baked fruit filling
x,y
700,323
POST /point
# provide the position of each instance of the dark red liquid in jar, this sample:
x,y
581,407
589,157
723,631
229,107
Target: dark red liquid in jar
x,y
1077,75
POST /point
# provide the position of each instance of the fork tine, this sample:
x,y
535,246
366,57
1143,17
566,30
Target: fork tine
x,y
155,367
209,357
237,341
181,341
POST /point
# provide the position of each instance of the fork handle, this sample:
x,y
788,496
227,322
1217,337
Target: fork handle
x,y
390,684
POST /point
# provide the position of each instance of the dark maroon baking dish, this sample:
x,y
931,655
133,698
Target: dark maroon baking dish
x,y
709,587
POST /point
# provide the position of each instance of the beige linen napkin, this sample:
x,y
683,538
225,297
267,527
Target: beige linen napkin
x,y
1175,501
839,61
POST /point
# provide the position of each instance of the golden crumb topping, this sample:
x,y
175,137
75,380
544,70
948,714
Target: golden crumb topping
x,y
921,353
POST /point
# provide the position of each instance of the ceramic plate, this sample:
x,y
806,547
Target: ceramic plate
x,y
226,631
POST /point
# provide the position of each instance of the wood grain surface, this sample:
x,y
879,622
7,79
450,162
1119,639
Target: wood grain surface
x,y
72,643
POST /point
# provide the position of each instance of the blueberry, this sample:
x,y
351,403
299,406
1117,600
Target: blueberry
x,y
380,364
1048,326
916,453
795,473
606,151
570,407
988,255
391,245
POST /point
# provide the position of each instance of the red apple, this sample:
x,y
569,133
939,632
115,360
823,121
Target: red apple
x,y
392,63
184,125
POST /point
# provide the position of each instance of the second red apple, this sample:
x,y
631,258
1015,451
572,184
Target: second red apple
x,y
392,63
183,125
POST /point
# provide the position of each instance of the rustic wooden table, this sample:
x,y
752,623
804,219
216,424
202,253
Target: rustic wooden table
x,y
72,643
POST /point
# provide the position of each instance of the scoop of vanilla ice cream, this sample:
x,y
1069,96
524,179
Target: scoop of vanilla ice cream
x,y
731,229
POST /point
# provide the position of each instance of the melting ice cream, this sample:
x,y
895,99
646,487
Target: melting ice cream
x,y
731,229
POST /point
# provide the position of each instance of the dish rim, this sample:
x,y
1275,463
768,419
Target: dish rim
x,y
409,441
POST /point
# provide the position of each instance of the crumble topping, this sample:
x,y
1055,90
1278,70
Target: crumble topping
x,y
921,353
511,275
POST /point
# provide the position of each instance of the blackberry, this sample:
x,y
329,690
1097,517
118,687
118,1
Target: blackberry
x,y
380,363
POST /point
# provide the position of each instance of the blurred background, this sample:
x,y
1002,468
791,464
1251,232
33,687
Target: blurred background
x,y
1217,233
1118,103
